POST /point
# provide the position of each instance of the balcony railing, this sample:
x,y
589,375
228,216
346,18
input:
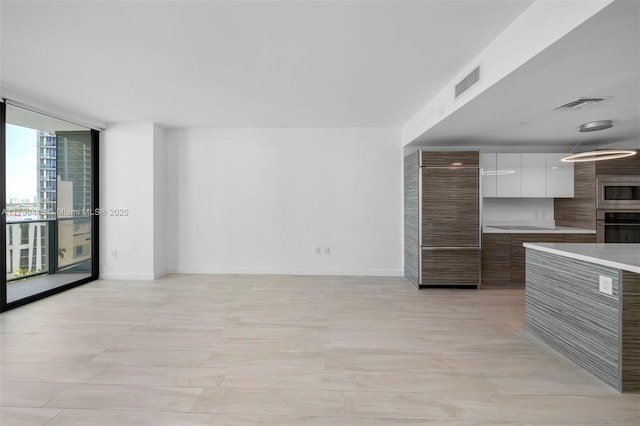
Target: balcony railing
x,y
37,247
28,245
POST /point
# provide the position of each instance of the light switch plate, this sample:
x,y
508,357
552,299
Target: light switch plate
x,y
606,285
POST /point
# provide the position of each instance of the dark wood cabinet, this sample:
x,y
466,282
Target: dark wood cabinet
x,y
503,256
450,158
496,260
580,238
450,205
451,267
442,218
517,256
580,211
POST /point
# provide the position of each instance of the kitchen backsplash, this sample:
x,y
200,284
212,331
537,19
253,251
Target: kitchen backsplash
x,y
515,211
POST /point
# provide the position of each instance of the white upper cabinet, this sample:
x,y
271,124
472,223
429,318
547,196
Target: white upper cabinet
x,y
489,168
559,177
534,176
509,175
526,175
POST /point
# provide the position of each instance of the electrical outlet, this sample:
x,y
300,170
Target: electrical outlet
x,y
606,285
327,250
318,251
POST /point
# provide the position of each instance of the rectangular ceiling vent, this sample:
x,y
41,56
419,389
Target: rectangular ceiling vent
x,y
465,84
580,103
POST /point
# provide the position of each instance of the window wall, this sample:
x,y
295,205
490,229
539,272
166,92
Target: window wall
x,y
48,197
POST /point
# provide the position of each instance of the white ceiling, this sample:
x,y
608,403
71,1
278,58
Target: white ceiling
x,y
599,58
244,64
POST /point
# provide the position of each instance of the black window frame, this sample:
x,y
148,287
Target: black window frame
x,y
95,220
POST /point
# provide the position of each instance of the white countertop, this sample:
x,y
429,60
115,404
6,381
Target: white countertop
x,y
619,256
509,229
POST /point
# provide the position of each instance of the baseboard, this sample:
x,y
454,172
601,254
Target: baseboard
x,y
127,276
287,271
160,274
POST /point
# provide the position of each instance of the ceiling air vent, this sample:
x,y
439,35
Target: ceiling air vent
x,y
580,103
465,84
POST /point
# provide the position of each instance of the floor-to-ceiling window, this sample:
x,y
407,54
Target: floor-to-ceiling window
x,y
49,201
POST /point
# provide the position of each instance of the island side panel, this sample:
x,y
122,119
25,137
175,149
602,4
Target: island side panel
x,y
630,326
565,309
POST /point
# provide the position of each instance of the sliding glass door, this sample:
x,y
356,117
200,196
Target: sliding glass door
x,y
49,200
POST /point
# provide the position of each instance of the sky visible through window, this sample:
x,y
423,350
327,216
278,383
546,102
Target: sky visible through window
x,y
22,159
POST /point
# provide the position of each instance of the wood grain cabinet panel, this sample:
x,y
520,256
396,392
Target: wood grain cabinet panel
x,y
411,218
518,257
630,331
450,207
450,267
565,309
579,211
496,260
450,158
503,256
600,332
580,238
622,166
442,218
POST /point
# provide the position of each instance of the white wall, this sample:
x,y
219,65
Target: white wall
x,y
263,200
513,211
127,182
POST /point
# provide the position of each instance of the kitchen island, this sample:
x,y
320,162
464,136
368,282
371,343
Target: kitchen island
x,y
584,301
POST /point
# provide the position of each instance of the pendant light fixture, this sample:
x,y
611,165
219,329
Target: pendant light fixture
x,y
599,154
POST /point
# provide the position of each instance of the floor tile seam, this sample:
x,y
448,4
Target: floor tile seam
x,y
108,366
147,349
287,388
140,409
60,411
257,412
355,391
56,394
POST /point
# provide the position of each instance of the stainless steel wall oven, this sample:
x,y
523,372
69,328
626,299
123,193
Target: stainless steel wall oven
x,y
618,226
618,209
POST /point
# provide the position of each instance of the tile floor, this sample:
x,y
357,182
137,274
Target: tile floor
x,y
284,350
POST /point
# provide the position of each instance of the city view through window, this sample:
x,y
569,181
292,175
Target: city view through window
x,y
48,201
